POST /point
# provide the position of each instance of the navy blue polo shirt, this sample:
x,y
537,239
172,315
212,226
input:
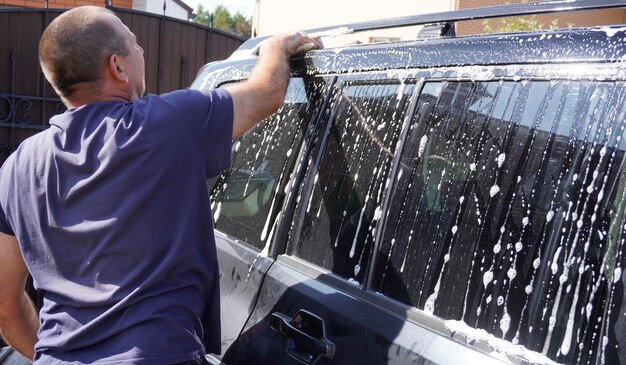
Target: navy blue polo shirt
x,y
111,211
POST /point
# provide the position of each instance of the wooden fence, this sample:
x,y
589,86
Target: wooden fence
x,y
174,51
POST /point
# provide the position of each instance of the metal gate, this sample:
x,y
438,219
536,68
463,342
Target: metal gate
x,y
21,116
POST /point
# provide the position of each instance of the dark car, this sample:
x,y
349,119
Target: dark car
x,y
448,200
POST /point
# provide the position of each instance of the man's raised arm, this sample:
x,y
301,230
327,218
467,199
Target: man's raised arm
x,y
264,91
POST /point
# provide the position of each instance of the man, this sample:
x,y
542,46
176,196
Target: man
x,y
108,208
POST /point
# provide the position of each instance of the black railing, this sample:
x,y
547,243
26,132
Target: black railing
x,y
23,112
15,111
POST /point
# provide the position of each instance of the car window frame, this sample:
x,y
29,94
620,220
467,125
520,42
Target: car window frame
x,y
277,243
366,78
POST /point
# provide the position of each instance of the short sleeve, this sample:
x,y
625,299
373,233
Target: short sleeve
x,y
209,115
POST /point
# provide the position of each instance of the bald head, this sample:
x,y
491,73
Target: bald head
x,y
75,48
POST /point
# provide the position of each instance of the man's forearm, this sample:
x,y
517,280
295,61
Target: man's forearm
x,y
269,79
272,69
264,91
273,65
19,325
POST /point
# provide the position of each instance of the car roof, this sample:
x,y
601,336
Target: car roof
x,y
562,46
605,44
488,12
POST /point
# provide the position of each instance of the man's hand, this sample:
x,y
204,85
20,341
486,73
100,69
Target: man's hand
x,y
18,318
290,43
264,91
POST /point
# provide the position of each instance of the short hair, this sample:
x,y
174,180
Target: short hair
x,y
75,48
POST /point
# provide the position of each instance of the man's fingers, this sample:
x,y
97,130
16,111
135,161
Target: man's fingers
x,y
318,42
299,42
292,43
315,42
305,47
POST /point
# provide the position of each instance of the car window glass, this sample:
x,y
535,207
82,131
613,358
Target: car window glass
x,y
339,208
508,213
247,198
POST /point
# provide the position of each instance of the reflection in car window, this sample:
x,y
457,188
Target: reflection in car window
x,y
339,208
508,213
247,198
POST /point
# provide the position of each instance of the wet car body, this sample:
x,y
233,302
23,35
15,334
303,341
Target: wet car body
x,y
525,276
447,200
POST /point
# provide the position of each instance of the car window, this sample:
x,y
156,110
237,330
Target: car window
x,y
508,212
247,198
338,209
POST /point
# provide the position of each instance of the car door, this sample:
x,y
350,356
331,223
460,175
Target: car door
x,y
247,199
466,215
509,205
312,306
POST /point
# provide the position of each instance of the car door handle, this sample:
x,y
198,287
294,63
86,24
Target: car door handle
x,y
306,336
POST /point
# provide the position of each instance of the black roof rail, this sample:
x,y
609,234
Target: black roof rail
x,y
488,12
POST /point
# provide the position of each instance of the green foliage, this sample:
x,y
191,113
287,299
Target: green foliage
x,y
520,24
242,25
202,16
223,20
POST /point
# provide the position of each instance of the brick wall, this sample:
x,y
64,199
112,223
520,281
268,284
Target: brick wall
x,y
64,4
585,18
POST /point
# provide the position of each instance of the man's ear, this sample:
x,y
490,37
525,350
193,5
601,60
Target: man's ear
x,y
116,69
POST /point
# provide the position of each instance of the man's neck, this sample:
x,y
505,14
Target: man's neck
x,y
84,96
78,102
